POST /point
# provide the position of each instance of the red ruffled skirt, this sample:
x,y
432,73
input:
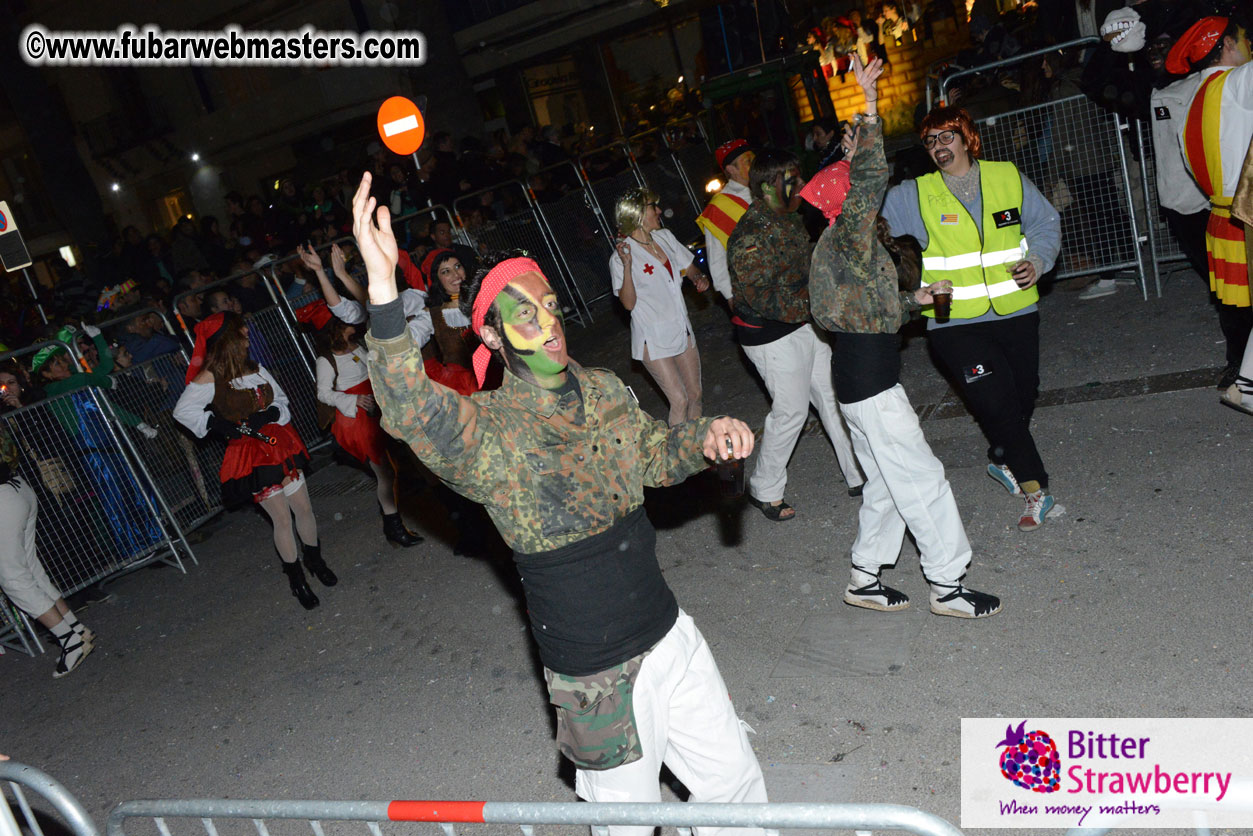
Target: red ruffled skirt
x,y
360,436
251,466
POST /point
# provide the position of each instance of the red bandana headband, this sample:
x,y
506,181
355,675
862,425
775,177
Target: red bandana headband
x,y
1195,44
495,281
827,190
204,329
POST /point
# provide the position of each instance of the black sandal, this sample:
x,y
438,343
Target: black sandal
x,y
773,512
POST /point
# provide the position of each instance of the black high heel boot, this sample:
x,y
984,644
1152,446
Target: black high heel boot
x,y
317,566
299,586
396,533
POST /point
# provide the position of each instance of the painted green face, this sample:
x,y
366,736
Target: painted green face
x,y
534,339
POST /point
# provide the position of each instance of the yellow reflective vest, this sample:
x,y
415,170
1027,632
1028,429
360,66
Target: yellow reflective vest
x,y
977,265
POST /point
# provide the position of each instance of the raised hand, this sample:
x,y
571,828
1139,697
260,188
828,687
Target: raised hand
x,y
338,262
376,242
867,76
309,258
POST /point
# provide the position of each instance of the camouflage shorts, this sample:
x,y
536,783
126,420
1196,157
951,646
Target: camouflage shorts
x,y
596,715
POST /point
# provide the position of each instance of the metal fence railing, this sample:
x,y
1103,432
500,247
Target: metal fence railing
x,y
861,818
99,514
1076,155
16,630
582,235
1097,168
519,225
22,779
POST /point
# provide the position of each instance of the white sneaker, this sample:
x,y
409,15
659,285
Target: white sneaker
x,y
1099,288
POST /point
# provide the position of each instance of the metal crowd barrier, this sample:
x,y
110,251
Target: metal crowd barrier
x,y
16,630
1075,154
22,778
99,514
661,170
519,225
862,818
579,229
1114,215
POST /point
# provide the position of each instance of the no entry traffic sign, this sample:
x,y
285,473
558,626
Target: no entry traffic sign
x,y
401,126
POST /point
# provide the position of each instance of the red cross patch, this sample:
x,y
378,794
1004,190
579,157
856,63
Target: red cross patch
x,y
648,268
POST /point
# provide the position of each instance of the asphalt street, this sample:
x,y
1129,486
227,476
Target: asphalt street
x,y
416,678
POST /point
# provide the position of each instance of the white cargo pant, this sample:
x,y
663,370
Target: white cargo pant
x,y
905,486
22,576
797,372
686,721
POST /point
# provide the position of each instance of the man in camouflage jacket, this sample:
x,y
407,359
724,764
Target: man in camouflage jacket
x,y
559,455
855,295
768,258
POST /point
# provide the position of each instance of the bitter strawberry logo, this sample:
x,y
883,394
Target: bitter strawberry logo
x,y
1030,759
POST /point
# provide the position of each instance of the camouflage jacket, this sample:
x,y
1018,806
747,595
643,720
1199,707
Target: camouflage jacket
x,y
852,280
550,469
768,258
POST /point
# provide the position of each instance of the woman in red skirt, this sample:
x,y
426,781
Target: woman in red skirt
x,y
231,396
344,383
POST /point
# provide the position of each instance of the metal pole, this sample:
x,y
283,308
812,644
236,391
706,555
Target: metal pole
x,y
1120,126
613,100
34,295
1148,204
1005,62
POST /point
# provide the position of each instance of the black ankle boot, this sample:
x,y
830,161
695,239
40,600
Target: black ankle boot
x,y
317,566
396,533
299,586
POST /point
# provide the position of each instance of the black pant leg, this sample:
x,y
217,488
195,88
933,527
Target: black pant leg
x,y
978,356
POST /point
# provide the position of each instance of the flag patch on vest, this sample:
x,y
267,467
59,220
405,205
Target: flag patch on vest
x,y
1007,217
948,220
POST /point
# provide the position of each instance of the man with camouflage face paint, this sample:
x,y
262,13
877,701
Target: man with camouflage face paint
x,y
559,455
768,257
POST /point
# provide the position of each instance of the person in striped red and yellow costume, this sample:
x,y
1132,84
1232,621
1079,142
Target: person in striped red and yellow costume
x,y
1215,138
724,211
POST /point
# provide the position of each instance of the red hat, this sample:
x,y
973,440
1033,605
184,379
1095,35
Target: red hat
x,y
432,258
317,314
1195,44
726,153
827,189
204,329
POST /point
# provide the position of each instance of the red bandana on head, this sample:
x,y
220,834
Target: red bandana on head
x,y
827,189
204,329
493,283
1195,44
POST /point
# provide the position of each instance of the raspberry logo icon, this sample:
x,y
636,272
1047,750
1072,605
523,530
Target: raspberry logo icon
x,y
1030,759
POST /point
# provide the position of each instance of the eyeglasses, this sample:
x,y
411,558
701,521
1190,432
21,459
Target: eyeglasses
x,y
944,138
654,204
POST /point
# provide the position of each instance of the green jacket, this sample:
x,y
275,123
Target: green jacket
x,y
551,469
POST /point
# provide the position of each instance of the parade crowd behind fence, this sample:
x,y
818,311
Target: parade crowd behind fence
x,y
111,500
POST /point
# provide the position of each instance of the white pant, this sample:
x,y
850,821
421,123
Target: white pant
x,y
22,576
905,486
797,372
686,721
